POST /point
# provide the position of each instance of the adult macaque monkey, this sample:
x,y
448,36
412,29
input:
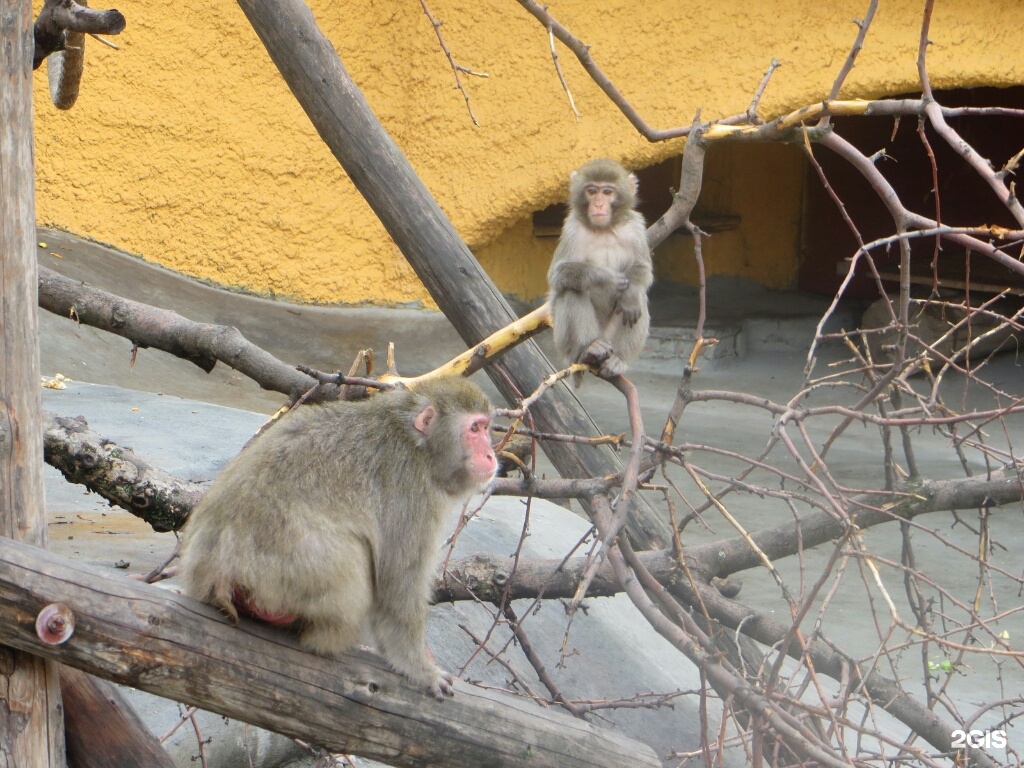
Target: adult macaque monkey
x,y
601,271
331,522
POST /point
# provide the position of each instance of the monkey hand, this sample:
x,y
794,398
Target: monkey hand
x,y
630,315
603,277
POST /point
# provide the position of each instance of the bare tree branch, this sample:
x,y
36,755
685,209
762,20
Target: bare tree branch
x,y
117,474
58,16
199,343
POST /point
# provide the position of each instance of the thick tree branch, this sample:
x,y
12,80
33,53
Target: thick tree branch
x,y
485,577
117,474
157,641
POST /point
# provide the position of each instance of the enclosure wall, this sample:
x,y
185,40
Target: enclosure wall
x,y
187,149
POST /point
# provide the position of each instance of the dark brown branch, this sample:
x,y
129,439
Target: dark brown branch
x,y
456,67
582,52
900,214
200,343
60,16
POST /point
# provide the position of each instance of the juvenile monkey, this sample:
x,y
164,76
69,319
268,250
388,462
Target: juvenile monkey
x,y
601,271
331,522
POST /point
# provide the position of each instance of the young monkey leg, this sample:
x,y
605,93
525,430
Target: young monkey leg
x,y
603,355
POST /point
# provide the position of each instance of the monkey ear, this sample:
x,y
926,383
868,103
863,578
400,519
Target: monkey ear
x,y
425,419
636,183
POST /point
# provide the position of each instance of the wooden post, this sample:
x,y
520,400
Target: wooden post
x,y
31,721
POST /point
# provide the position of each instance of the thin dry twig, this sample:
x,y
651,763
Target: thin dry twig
x,y
561,75
457,68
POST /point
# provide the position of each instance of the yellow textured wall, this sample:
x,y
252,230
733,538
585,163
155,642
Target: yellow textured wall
x,y
762,185
187,148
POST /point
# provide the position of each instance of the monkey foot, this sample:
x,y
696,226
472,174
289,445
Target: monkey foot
x,y
596,354
612,367
443,686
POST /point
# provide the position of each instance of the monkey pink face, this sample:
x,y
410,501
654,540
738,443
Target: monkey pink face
x,y
601,200
482,463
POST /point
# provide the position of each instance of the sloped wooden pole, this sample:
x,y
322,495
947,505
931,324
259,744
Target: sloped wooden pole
x,y
101,728
31,726
158,641
454,278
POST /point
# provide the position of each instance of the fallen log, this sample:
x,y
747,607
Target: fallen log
x,y
158,641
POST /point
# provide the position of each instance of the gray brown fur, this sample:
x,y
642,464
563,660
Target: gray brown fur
x,y
335,516
600,275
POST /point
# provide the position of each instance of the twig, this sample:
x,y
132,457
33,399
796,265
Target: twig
x,y
161,572
752,115
851,58
456,68
525,404
347,381
582,52
517,678
538,664
561,75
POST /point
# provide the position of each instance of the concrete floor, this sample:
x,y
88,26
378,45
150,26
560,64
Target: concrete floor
x,y
765,333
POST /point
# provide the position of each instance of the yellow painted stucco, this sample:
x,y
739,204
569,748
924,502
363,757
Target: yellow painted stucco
x,y
187,148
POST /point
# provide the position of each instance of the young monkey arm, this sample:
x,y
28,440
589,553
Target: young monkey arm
x,y
639,276
580,276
